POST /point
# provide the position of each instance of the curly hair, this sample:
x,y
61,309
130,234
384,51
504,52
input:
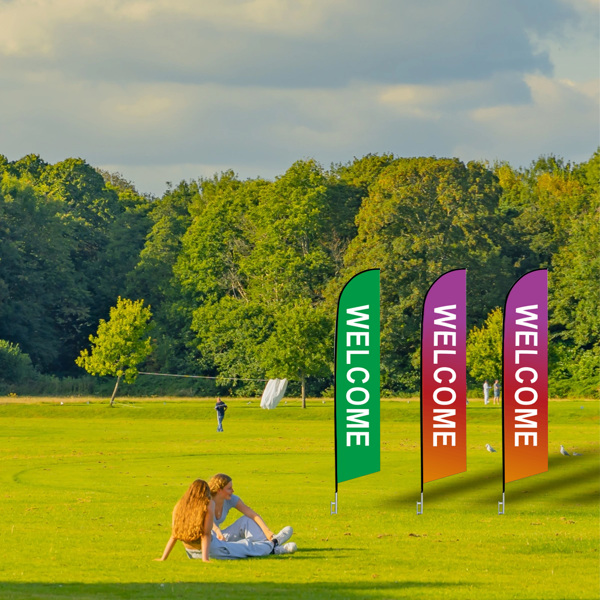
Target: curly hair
x,y
218,482
189,513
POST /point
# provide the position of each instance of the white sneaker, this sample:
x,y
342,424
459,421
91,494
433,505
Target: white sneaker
x,y
284,535
288,548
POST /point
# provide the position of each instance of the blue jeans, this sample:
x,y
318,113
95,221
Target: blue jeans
x,y
220,418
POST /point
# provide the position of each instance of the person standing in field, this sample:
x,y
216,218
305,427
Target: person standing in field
x,y
192,524
496,392
486,392
220,407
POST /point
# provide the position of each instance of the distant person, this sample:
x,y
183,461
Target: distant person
x,y
220,407
486,392
192,524
496,392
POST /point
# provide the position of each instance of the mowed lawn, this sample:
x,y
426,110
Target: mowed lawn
x,y
87,491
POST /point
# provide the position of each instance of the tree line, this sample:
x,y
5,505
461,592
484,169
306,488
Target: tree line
x,y
243,276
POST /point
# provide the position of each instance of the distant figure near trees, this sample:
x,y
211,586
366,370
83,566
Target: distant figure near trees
x,y
496,392
486,392
220,407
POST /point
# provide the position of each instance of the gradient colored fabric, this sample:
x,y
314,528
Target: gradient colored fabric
x,y
443,378
525,377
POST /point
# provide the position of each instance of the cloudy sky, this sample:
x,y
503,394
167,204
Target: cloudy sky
x,y
164,90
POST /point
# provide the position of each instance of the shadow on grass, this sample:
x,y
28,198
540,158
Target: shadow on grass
x,y
563,472
585,498
320,550
564,479
224,591
450,487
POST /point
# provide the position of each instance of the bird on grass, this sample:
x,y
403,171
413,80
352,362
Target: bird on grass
x,y
563,451
489,448
576,454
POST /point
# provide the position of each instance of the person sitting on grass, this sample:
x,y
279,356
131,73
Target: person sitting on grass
x,y
250,525
192,524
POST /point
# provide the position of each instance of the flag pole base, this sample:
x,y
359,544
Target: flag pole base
x,y
333,507
501,505
420,505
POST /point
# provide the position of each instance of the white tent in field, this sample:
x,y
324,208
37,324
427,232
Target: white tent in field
x,y
274,391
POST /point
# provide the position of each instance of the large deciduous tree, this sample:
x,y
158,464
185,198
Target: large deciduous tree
x,y
300,345
120,344
424,217
68,241
255,256
574,284
42,302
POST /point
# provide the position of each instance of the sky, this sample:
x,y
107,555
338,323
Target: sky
x,y
165,90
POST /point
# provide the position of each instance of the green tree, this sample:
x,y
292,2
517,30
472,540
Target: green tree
x,y
574,280
208,267
229,334
121,343
300,345
484,348
574,286
254,253
14,365
288,230
347,186
68,242
153,277
170,219
91,215
542,202
552,222
29,167
42,302
424,217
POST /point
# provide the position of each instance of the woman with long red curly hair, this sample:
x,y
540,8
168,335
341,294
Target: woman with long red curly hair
x,y
193,522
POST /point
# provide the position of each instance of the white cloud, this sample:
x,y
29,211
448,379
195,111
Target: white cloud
x,y
586,7
436,101
574,48
550,99
156,133
283,43
34,27
164,91
562,119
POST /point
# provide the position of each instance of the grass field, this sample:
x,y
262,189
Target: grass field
x,y
87,491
